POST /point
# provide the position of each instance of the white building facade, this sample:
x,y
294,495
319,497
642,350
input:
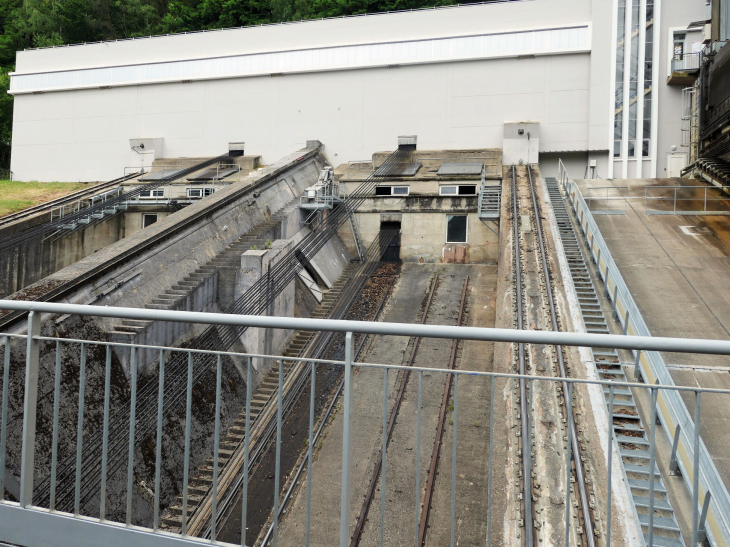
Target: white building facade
x,y
452,76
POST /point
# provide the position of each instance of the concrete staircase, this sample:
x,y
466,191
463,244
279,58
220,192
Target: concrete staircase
x,y
201,483
196,291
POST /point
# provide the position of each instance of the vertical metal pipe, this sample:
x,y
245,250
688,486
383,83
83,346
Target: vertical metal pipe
x,y
277,471
384,452
652,453
453,461
158,448
216,447
626,322
247,428
132,419
418,455
610,465
4,416
569,407
80,429
312,393
186,468
696,470
346,438
105,434
30,404
491,461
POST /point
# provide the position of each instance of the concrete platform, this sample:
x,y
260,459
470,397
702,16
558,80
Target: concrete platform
x,y
677,268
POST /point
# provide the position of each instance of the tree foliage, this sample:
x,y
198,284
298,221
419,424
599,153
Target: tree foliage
x,y
44,23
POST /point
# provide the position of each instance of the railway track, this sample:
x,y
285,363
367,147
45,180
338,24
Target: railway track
x,y
436,414
292,379
542,448
81,194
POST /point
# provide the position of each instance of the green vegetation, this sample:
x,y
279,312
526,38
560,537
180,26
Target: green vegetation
x,y
16,196
43,23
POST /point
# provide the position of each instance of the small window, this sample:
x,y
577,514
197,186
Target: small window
x,y
152,193
196,193
645,147
616,149
456,228
461,190
148,220
392,190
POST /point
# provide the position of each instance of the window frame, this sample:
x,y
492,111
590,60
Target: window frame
x,y
145,215
457,188
391,187
152,194
466,230
203,192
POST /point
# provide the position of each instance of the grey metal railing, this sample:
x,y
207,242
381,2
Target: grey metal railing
x,y
23,523
607,200
692,200
686,61
691,454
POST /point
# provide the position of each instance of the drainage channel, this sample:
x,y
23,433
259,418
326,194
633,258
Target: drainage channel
x,y
628,429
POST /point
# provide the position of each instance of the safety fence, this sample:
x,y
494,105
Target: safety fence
x,y
40,356
690,455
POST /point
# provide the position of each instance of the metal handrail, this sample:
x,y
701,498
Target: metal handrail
x,y
674,198
686,61
671,409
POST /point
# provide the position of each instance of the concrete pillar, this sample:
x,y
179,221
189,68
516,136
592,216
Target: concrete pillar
x,y
254,265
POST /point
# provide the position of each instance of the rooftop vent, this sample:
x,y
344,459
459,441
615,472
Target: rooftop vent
x,y
407,142
236,148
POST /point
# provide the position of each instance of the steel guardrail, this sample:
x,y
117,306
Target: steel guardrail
x,y
671,409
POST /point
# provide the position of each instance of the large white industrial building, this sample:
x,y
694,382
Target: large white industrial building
x,y
453,76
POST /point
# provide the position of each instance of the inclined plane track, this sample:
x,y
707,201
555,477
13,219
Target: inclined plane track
x,y
404,390
543,404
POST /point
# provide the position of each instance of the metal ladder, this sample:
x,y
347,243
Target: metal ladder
x,y
628,429
489,200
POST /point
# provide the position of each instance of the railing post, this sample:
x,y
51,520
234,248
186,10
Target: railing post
x,y
346,438
626,322
637,366
673,463
701,532
30,403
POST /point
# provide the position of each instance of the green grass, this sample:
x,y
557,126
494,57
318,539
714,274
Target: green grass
x,y
16,196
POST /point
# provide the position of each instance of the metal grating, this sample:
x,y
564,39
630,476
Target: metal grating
x,y
461,168
398,170
159,175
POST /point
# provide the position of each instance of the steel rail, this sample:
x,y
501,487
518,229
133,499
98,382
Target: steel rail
x,y
325,416
315,348
365,508
80,194
12,241
209,340
580,482
526,433
433,467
